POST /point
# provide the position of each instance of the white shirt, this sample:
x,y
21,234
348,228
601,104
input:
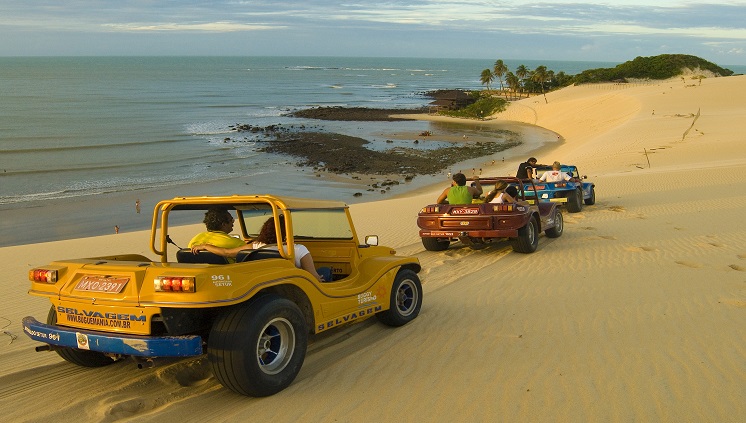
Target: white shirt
x,y
299,251
498,198
555,176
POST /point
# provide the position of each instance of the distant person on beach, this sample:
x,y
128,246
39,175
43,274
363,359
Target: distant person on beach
x,y
526,169
268,239
499,194
555,175
137,206
116,229
219,224
458,192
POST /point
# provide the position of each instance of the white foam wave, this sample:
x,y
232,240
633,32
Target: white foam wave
x,y
208,128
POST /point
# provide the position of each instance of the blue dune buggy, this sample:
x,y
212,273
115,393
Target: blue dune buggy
x,y
572,193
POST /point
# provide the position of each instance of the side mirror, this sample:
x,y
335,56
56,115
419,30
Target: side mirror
x,y
371,240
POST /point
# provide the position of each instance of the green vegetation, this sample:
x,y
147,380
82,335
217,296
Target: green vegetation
x,y
524,82
663,66
483,106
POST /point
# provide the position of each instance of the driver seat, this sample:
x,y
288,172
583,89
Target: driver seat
x,y
185,255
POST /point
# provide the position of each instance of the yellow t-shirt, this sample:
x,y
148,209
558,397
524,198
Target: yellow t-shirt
x,y
216,238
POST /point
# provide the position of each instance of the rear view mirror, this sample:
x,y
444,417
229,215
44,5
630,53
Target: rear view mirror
x,y
371,240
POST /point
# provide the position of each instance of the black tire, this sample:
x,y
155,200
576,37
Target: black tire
x,y
257,349
559,225
435,244
78,357
591,200
528,238
405,301
575,201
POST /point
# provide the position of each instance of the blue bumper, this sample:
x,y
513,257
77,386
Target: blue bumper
x,y
112,343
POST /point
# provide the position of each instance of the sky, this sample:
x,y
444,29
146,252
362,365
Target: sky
x,y
585,30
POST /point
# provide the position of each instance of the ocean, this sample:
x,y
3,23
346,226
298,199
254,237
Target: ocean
x,y
83,138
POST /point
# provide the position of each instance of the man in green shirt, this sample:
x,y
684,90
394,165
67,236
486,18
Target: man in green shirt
x,y
458,192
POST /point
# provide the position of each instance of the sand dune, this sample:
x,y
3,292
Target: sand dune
x,y
637,313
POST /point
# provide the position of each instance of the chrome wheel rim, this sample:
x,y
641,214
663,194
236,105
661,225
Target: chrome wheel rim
x,y
275,346
406,298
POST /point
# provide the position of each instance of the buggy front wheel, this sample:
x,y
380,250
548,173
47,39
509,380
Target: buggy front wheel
x,y
405,299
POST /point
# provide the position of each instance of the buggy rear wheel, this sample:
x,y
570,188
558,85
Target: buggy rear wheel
x,y
78,357
559,225
528,238
257,349
591,200
575,201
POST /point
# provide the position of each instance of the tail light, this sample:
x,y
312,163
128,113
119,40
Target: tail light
x,y
430,209
502,207
174,284
42,275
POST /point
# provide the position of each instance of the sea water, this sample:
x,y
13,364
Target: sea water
x,y
74,130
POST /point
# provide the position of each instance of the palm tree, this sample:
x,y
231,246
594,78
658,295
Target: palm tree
x,y
521,72
513,82
486,78
499,71
540,75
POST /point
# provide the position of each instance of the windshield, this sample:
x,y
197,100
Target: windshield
x,y
328,223
307,224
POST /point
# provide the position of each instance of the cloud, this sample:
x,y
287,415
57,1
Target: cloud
x,y
594,29
194,27
550,17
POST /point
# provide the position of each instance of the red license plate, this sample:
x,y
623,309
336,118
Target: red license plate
x,y
101,284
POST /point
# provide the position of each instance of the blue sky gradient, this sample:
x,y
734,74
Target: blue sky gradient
x,y
613,31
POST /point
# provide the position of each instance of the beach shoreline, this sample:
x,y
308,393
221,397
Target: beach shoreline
x,y
93,215
636,313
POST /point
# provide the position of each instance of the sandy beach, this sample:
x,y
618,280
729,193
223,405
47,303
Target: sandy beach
x,y
637,313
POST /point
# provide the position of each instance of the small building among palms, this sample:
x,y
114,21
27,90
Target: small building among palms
x,y
450,100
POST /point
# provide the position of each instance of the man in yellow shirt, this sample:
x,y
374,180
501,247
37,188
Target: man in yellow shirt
x,y
219,224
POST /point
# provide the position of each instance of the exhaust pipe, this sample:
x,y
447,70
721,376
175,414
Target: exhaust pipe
x,y
144,363
150,362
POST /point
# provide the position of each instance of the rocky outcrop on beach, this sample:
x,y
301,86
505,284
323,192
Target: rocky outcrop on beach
x,y
345,154
361,114
366,114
